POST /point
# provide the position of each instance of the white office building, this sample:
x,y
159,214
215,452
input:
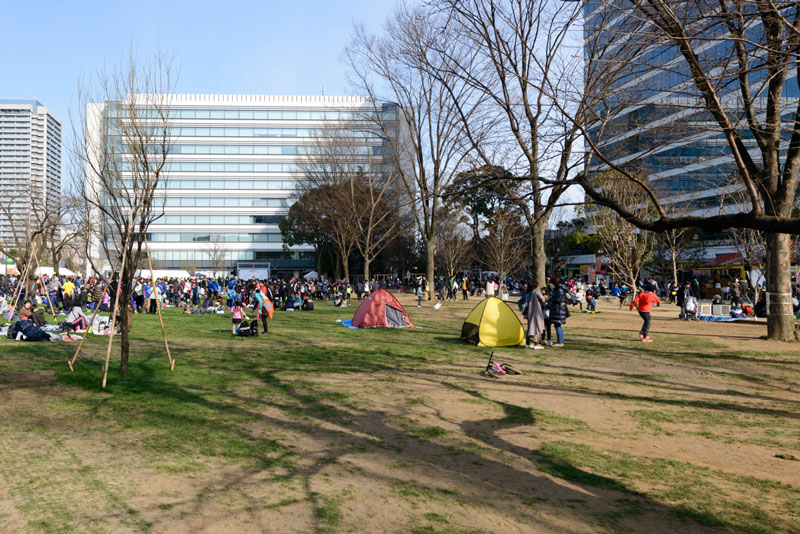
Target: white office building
x,y
232,172
30,165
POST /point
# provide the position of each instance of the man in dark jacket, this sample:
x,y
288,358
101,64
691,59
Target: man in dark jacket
x,y
558,308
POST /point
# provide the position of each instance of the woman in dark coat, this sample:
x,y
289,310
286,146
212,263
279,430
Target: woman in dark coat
x,y
558,309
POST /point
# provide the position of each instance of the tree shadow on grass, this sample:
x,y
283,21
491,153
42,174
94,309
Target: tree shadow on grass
x,y
199,416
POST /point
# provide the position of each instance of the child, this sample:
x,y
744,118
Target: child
x,y
419,295
645,301
238,313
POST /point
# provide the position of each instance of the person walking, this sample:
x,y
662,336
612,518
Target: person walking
x,y
534,313
644,304
558,309
420,293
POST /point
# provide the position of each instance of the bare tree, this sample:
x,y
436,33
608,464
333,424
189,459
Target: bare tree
x,y
627,248
452,241
217,255
727,64
520,61
504,246
427,139
122,141
325,196
351,156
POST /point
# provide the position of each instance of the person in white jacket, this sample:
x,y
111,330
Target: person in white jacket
x,y
489,288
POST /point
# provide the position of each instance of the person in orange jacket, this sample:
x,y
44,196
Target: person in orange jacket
x,y
645,301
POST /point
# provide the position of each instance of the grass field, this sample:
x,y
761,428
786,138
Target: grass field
x,y
320,429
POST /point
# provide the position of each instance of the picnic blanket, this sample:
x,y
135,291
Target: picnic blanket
x,y
719,318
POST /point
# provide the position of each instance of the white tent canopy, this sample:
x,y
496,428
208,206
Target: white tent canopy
x,y
312,275
162,273
48,271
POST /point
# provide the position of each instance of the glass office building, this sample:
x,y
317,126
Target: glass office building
x,y
233,166
30,165
657,124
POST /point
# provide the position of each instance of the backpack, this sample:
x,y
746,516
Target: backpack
x,y
308,305
12,330
248,329
243,330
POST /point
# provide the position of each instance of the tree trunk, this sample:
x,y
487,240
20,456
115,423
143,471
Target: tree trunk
x,y
674,266
123,317
366,270
346,266
780,318
125,342
430,252
539,259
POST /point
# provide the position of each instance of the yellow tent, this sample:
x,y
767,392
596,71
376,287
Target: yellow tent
x,y
493,324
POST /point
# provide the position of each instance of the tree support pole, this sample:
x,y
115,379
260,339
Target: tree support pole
x,y
114,315
88,330
18,291
158,306
41,281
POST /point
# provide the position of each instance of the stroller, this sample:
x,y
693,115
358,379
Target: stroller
x,y
690,307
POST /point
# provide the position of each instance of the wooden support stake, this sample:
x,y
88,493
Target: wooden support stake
x,y
114,314
44,287
158,305
18,291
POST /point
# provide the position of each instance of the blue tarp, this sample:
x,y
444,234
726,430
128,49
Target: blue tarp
x,y
719,318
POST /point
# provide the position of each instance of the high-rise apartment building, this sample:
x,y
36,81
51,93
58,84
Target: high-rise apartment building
x,y
30,165
233,166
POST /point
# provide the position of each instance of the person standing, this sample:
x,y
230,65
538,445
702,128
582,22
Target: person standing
x,y
736,293
644,304
558,309
147,294
489,287
534,313
238,313
261,308
138,296
591,300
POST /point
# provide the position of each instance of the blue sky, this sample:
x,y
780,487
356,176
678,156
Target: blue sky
x,y
255,47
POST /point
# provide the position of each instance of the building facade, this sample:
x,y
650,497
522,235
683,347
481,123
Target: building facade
x,y
30,166
654,118
233,167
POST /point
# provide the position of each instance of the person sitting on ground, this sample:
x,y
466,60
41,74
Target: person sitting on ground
x,y
76,320
26,312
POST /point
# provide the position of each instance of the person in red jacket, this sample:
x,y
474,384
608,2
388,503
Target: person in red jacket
x,y
645,301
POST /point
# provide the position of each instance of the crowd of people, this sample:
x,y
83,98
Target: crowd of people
x,y
546,308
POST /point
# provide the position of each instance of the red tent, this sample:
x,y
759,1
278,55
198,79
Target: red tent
x,y
381,309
